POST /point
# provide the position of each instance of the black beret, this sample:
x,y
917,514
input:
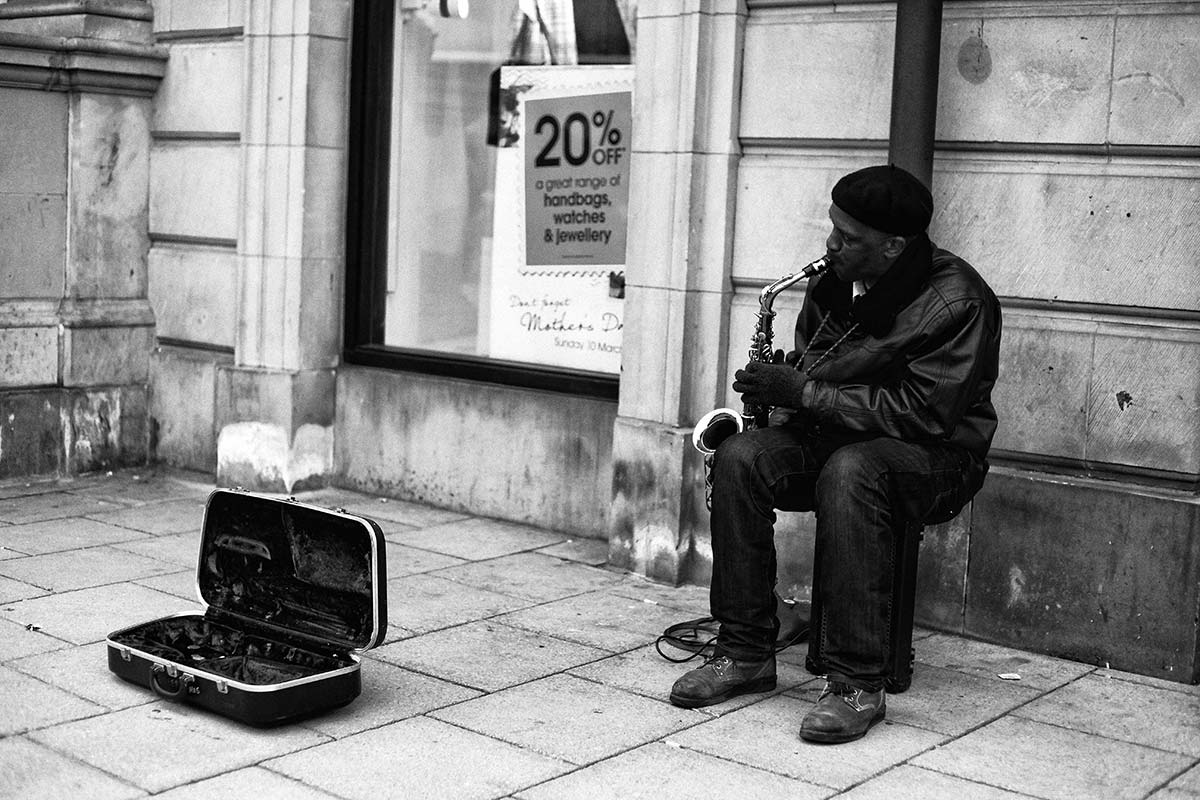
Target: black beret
x,y
886,198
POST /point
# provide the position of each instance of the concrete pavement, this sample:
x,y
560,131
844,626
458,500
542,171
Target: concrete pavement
x,y
516,666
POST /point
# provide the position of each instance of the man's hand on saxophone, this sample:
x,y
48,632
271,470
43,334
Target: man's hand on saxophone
x,y
770,385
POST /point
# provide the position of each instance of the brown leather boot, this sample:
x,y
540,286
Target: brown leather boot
x,y
722,678
842,714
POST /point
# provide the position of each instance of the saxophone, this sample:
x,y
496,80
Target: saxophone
x,y
719,424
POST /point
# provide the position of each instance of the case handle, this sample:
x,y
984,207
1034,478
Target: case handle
x,y
158,671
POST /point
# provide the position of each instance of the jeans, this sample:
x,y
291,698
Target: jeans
x,y
855,484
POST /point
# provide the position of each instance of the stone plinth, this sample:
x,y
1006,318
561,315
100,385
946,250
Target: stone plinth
x,y
275,407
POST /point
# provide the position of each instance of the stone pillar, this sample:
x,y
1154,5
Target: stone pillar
x,y
275,404
76,328
683,180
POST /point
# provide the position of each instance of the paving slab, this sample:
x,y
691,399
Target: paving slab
x,y
30,703
531,576
389,694
133,488
1146,680
1119,709
83,671
913,783
255,782
593,552
486,655
766,735
600,619
405,514
17,641
569,718
1183,787
29,771
158,519
161,745
1052,762
177,549
331,497
691,601
12,589
89,615
19,487
418,758
81,569
403,560
477,538
52,505
990,661
52,536
660,771
182,584
425,603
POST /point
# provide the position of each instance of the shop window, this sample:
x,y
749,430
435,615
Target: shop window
x,y
425,114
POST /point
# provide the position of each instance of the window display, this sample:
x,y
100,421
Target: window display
x,y
451,123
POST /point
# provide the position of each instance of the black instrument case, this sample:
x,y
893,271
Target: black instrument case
x,y
291,593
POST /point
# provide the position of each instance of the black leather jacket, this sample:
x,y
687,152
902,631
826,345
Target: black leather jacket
x,y
922,362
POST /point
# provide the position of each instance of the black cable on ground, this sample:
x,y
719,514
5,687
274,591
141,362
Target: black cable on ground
x,y
699,637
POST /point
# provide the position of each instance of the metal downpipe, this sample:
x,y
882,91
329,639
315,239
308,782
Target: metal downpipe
x,y
915,86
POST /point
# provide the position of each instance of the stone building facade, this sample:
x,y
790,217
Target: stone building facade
x,y
177,202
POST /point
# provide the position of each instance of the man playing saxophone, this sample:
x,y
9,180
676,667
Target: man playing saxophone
x,y
889,387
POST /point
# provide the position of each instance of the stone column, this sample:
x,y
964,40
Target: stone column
x,y
76,328
683,180
275,404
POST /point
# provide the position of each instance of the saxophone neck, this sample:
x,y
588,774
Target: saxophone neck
x,y
766,297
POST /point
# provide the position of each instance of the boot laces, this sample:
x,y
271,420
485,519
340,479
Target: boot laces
x,y
719,663
850,695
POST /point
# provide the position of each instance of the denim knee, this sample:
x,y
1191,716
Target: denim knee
x,y
849,468
735,457
739,467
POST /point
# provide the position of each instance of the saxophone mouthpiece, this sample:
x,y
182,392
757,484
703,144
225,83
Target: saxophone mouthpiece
x,y
816,268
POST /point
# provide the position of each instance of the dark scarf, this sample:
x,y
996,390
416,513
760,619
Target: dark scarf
x,y
876,310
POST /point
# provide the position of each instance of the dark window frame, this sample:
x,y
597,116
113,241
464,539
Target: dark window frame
x,y
366,234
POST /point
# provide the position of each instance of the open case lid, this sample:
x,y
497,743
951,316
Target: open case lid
x,y
303,569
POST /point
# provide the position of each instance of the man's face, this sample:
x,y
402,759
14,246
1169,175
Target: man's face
x,y
857,252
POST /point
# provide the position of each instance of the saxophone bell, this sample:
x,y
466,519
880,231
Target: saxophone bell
x,y
715,427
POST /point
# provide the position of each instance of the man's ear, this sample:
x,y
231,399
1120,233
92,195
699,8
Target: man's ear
x,y
893,246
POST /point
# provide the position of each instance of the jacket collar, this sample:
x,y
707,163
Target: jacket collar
x,y
876,310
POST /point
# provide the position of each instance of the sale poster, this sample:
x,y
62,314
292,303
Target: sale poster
x,y
560,227
576,186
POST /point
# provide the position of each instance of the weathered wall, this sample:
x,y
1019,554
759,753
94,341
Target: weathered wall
x,y
195,207
520,454
75,324
1066,171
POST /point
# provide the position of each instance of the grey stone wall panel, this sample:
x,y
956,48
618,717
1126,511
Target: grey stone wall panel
x,y
1100,572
